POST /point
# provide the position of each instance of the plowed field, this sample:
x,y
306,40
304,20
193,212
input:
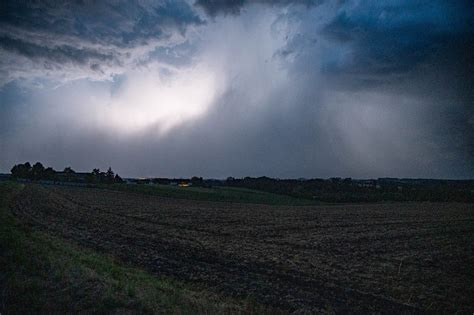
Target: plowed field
x,y
407,257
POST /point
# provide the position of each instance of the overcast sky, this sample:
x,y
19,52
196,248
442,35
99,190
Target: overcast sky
x,y
287,89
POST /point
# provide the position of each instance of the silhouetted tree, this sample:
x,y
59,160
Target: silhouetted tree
x,y
15,171
49,174
118,179
21,170
96,176
37,171
69,173
110,173
197,181
69,170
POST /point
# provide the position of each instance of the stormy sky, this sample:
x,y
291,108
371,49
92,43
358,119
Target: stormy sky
x,y
288,89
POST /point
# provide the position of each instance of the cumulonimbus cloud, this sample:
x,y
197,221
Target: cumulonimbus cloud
x,y
67,40
327,88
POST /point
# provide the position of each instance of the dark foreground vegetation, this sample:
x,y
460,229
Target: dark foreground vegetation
x,y
42,273
379,258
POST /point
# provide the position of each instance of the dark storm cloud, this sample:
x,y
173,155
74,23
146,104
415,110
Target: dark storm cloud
x,y
394,38
417,48
318,89
390,98
233,7
94,39
121,23
215,7
57,55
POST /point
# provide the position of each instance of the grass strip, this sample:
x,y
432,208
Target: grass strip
x,y
40,273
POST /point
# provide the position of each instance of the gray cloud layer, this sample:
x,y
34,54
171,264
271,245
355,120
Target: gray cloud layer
x,y
234,7
74,39
320,88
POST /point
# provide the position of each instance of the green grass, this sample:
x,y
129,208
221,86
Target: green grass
x,y
44,274
224,194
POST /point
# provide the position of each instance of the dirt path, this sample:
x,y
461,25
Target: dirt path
x,y
363,258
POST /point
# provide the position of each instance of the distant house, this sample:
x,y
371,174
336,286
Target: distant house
x,y
185,184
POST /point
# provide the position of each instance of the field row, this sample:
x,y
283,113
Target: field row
x,y
390,257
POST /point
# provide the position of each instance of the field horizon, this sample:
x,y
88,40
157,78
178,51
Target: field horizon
x,y
285,258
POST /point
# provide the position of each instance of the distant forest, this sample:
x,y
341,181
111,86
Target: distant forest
x,y
335,189
39,172
356,190
342,189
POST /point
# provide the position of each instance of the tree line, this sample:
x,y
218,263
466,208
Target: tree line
x,y
39,172
352,190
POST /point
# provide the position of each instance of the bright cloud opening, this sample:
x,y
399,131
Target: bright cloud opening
x,y
162,101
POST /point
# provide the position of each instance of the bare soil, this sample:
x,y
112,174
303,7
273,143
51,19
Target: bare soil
x,y
383,258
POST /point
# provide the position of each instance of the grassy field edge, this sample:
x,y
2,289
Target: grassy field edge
x,y
44,274
216,194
